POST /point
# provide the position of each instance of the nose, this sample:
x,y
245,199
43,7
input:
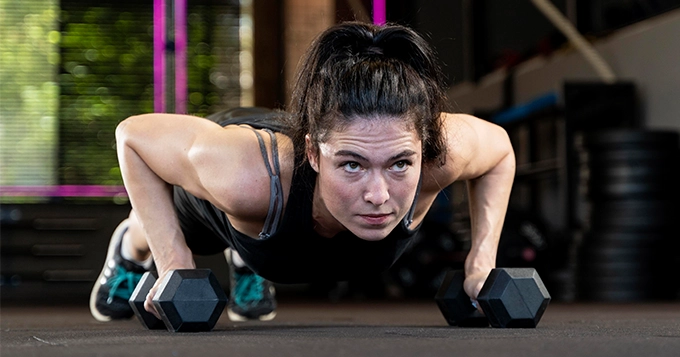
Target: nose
x,y
377,191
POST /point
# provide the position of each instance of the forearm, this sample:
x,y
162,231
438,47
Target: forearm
x,y
151,199
488,196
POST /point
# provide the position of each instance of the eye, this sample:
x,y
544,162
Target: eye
x,y
400,166
351,166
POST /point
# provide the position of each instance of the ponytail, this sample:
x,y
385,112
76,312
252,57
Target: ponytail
x,y
360,70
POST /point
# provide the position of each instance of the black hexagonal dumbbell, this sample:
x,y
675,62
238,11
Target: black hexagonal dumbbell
x,y
510,297
188,300
137,301
455,304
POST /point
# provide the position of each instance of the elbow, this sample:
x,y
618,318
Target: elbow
x,y
508,161
125,130
122,130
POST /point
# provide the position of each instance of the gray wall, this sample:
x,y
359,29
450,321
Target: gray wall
x,y
647,53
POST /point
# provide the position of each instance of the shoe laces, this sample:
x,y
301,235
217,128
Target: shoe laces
x,y
248,289
122,284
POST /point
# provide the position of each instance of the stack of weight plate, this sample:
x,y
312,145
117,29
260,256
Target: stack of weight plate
x,y
633,179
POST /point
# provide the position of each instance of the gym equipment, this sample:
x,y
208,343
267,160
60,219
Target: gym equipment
x,y
631,139
510,298
638,215
188,300
624,265
631,180
454,303
137,301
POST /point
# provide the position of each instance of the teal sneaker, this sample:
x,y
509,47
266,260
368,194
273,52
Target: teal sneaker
x,y
251,296
116,282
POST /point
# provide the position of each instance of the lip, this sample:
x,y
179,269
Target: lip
x,y
375,219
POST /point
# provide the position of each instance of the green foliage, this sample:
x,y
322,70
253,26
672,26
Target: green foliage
x,y
28,92
212,58
106,75
71,70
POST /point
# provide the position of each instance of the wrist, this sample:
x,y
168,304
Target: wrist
x,y
175,259
479,263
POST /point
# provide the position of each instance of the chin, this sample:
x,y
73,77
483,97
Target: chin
x,y
372,238
372,235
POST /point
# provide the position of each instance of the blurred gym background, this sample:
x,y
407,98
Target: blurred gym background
x,y
594,120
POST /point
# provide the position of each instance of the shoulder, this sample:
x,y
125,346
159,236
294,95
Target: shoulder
x,y
461,142
473,147
237,177
471,144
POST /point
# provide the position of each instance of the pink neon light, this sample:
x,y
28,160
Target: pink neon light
x,y
159,40
63,191
181,56
379,12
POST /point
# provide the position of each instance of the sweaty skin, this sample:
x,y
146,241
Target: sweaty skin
x,y
481,154
368,175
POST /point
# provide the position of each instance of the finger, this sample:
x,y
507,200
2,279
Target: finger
x,y
475,304
149,306
472,287
478,288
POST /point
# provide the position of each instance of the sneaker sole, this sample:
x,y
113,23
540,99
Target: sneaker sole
x,y
238,318
116,237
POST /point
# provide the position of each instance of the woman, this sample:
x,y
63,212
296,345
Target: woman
x,y
336,188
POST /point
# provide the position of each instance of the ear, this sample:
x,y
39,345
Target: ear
x,y
312,153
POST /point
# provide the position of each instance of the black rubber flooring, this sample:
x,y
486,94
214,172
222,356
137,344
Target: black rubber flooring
x,y
351,329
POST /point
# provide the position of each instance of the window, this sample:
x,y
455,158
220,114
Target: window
x,y
72,70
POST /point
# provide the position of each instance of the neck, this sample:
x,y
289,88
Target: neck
x,y
324,223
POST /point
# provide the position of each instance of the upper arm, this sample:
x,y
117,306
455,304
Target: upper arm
x,y
475,147
202,157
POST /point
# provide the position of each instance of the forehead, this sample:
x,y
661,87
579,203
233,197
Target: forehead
x,y
373,135
361,123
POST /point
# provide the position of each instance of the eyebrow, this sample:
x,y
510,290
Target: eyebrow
x,y
401,155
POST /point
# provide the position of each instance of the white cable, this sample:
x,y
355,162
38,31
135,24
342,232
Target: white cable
x,y
569,31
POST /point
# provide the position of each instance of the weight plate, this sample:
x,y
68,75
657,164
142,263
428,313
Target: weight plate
x,y
616,157
650,288
620,138
633,214
624,239
616,254
630,190
616,269
617,282
614,295
616,170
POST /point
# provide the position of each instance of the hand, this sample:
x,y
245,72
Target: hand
x,y
473,284
162,275
148,302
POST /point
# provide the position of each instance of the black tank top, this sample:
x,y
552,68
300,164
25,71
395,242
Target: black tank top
x,y
291,251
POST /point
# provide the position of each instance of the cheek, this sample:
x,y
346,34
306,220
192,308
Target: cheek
x,y
403,192
338,190
411,187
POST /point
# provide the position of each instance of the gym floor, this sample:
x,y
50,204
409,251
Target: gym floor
x,y
351,329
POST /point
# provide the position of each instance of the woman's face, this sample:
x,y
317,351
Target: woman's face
x,y
368,174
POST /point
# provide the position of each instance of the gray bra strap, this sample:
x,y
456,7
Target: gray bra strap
x,y
409,216
275,187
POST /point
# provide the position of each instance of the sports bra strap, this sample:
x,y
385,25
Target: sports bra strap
x,y
409,216
275,211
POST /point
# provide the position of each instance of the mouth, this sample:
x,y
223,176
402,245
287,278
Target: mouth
x,y
375,219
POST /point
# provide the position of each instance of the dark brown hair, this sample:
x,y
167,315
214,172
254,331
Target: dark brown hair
x,y
361,70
